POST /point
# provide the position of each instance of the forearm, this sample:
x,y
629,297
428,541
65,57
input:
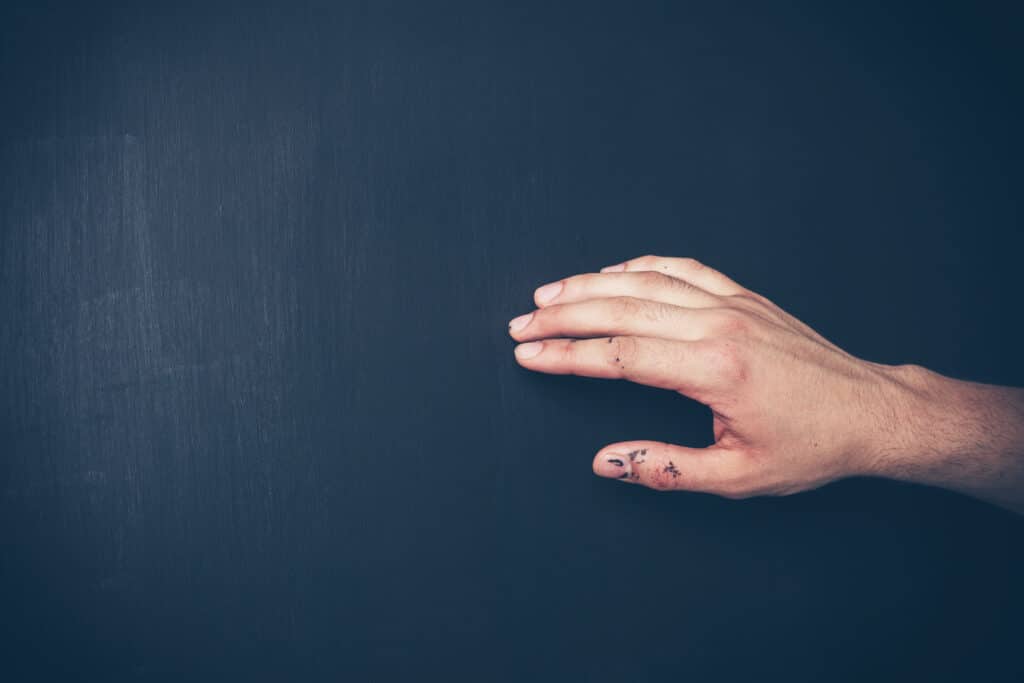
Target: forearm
x,y
958,435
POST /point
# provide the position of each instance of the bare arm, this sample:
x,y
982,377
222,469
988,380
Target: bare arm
x,y
963,436
792,411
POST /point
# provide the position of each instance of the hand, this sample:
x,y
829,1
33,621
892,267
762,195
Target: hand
x,y
791,410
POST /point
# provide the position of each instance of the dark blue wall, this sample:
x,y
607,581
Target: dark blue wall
x,y
259,414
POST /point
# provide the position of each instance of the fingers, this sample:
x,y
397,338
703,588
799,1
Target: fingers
x,y
648,285
621,315
674,335
677,281
688,367
667,467
687,269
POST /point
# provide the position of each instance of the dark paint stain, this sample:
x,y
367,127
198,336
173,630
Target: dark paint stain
x,y
637,456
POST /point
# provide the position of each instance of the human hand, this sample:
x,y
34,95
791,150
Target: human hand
x,y
792,411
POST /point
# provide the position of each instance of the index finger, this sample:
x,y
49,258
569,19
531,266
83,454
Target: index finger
x,y
683,366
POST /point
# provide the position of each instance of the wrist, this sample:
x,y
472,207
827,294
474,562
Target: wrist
x,y
905,443
940,431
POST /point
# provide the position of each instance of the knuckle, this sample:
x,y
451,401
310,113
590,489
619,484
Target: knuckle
x,y
685,287
622,308
622,352
691,263
742,297
571,353
726,360
655,312
652,279
753,299
734,319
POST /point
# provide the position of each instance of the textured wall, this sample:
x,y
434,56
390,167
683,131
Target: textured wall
x,y
259,416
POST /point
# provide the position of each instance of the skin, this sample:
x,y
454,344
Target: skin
x,y
792,411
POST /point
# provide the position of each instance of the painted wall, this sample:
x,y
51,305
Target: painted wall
x,y
259,414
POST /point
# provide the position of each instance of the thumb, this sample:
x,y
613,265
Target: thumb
x,y
667,467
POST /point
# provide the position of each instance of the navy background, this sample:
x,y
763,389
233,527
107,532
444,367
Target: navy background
x,y
260,417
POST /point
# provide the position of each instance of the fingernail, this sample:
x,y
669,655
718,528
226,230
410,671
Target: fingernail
x,y
614,466
617,268
547,292
519,323
528,350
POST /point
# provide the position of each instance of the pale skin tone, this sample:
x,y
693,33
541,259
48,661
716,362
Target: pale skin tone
x,y
792,411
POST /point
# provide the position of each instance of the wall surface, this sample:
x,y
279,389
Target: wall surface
x,y
259,414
